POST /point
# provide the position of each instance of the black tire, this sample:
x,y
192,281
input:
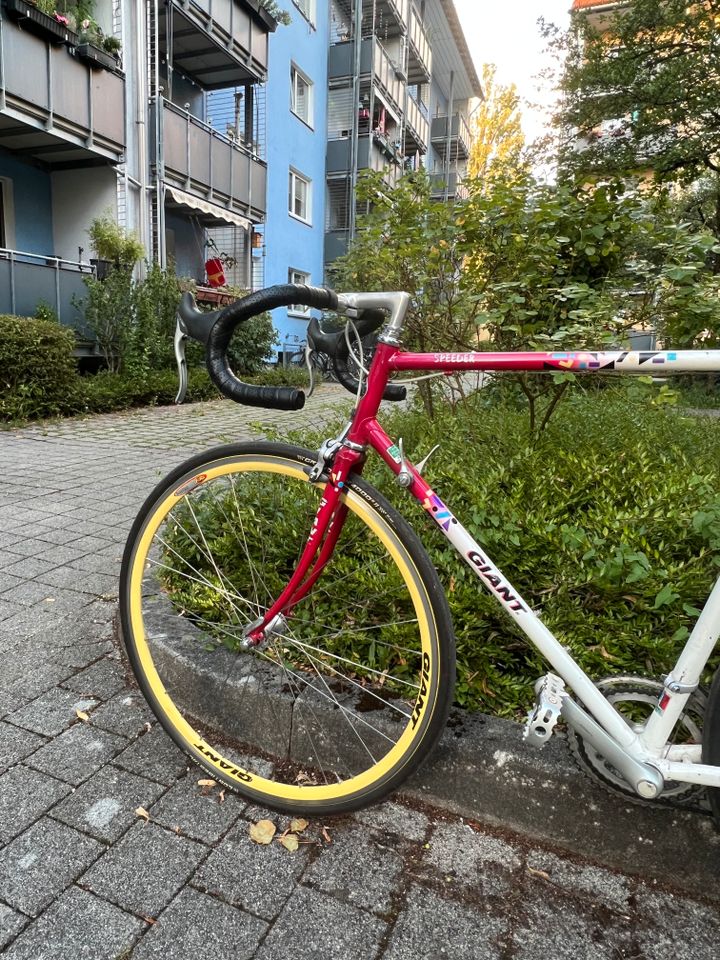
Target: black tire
x,y
364,664
711,743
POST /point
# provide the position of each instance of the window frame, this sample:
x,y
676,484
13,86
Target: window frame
x,y
296,72
293,176
298,309
311,15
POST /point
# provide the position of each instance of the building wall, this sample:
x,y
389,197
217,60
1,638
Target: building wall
x,y
30,220
78,197
290,142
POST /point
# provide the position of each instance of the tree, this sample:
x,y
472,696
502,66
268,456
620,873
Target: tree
x,y
498,139
641,87
409,242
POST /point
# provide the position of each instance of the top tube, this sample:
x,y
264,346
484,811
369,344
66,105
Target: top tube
x,y
648,362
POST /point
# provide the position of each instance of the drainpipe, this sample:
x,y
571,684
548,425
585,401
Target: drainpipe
x,y
141,106
354,144
448,141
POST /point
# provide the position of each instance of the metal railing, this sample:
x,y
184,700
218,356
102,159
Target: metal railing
x,y
29,279
386,74
420,50
212,165
417,123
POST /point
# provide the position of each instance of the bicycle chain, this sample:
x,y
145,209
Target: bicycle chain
x,y
695,797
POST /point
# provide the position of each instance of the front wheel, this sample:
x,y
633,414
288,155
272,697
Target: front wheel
x,y
349,693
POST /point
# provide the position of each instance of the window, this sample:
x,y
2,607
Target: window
x,y
301,95
298,276
307,9
299,195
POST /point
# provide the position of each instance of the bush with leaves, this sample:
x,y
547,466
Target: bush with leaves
x,y
37,368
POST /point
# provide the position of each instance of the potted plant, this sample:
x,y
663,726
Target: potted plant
x,y
41,18
95,48
116,249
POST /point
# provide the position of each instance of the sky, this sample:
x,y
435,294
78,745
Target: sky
x,y
507,35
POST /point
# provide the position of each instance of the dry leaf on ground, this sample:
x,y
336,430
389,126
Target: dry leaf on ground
x,y
297,825
142,812
81,715
326,836
290,842
263,831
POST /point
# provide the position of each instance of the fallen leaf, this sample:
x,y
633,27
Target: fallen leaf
x,y
290,842
538,873
298,825
263,831
81,715
150,920
207,784
326,836
221,797
142,812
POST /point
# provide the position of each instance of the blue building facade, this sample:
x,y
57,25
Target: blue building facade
x,y
296,97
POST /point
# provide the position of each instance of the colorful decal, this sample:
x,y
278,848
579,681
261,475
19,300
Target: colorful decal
x,y
600,361
191,485
438,511
394,452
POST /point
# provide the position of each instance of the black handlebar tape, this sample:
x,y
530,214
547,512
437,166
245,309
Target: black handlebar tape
x,y
282,295
334,344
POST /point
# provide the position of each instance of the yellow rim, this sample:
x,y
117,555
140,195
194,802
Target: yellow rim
x,y
194,743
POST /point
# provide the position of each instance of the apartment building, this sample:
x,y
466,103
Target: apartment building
x,y
214,131
85,133
396,99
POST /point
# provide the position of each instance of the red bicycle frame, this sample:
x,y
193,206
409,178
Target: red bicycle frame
x,y
365,431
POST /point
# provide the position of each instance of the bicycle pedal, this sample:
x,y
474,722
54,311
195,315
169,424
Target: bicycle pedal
x,y
549,694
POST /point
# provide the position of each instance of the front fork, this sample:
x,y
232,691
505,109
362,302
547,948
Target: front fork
x,y
336,461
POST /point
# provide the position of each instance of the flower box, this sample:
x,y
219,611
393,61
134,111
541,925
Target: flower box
x,y
35,21
96,57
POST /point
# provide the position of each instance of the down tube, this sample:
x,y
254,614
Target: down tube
x,y
504,592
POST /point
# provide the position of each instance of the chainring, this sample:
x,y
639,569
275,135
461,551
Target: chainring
x,y
635,698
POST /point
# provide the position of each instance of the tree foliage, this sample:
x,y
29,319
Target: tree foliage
x,y
498,139
642,86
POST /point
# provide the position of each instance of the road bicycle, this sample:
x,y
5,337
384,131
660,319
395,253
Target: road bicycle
x,y
290,632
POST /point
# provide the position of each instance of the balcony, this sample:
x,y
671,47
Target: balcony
x,y
374,63
27,278
391,16
419,52
448,187
459,140
53,107
417,127
375,152
218,43
211,168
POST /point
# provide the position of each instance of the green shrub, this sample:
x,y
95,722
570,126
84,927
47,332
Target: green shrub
x,y
609,525
37,368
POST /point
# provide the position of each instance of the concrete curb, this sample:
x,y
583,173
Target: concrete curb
x,y
484,770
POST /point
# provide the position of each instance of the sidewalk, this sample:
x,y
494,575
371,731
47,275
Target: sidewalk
x,y
83,877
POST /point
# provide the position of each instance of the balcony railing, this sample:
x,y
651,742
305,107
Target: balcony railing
x,y
219,43
448,187
59,109
26,279
375,152
374,62
417,128
420,54
460,138
211,166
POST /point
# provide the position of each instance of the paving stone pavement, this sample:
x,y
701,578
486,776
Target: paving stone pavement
x,y
83,877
